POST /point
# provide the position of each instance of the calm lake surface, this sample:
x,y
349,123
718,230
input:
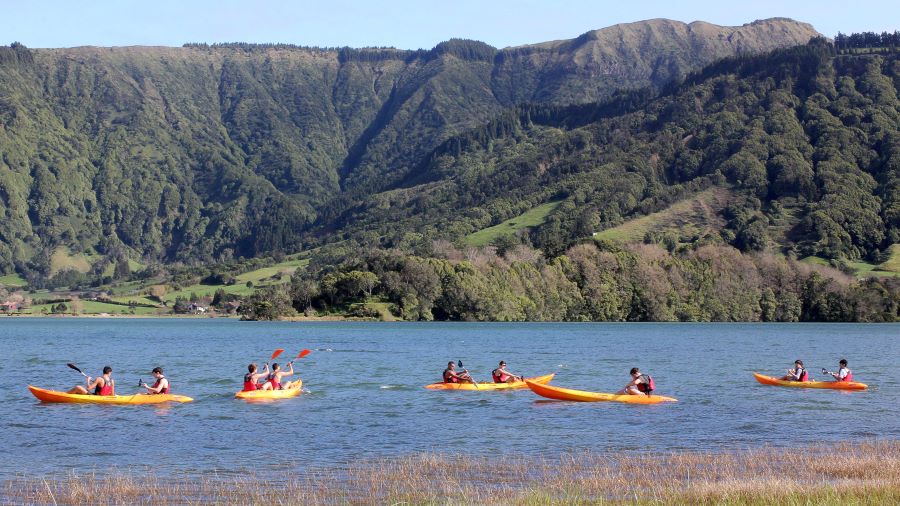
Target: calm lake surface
x,y
365,399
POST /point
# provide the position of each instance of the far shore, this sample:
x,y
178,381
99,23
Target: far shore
x,y
860,473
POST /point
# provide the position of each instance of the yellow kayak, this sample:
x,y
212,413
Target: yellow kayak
x,y
45,395
294,391
566,394
516,385
832,385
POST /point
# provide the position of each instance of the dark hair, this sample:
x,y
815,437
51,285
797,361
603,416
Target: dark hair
x,y
798,361
450,363
108,369
157,370
275,366
251,367
634,370
843,361
502,362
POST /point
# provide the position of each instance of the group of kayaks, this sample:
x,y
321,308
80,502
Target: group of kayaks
x,y
538,385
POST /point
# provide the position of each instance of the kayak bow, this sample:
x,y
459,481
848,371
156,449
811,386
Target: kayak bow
x,y
516,385
45,395
831,385
566,394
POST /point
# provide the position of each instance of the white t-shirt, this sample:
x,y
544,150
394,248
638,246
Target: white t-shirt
x,y
843,372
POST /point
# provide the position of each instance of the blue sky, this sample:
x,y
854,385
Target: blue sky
x,y
402,23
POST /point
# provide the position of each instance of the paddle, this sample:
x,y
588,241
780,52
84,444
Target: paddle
x,y
73,366
459,363
277,352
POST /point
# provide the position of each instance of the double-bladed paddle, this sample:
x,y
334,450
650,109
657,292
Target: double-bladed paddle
x,y
460,364
73,366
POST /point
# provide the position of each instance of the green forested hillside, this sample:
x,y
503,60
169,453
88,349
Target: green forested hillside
x,y
207,153
805,141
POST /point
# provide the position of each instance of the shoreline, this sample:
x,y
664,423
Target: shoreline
x,y
841,473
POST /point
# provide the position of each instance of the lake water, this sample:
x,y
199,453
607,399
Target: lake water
x,y
365,397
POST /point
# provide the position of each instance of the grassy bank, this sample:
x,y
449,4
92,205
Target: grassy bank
x,y
859,473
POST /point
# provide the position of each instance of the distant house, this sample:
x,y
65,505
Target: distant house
x,y
198,309
9,306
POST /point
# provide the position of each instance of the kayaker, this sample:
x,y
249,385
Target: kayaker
x,y
273,380
640,384
451,376
251,379
843,374
102,385
501,375
798,373
161,386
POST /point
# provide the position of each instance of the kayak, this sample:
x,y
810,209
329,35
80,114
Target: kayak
x,y
516,385
566,394
45,395
294,391
833,385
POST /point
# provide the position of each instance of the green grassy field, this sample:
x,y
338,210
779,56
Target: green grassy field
x,y
62,259
12,281
94,307
686,218
892,264
531,218
259,277
860,269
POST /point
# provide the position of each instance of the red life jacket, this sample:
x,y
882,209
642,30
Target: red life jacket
x,y
848,377
249,384
276,385
648,385
106,389
498,378
805,375
164,390
448,378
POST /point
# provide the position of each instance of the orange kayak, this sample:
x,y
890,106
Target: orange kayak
x,y
832,385
294,391
515,385
55,396
566,394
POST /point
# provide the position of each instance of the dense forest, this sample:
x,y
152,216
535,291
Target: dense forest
x,y
211,153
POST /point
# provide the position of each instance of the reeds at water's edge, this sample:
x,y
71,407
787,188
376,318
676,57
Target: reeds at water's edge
x,y
845,473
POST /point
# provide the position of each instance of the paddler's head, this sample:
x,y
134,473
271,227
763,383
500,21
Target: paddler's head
x,y
107,370
275,367
157,372
451,365
251,368
502,364
843,362
635,372
798,362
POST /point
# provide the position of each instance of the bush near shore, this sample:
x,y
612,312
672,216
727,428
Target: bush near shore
x,y
840,474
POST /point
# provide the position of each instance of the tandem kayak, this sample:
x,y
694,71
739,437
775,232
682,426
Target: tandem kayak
x,y
516,385
55,396
566,394
294,391
832,385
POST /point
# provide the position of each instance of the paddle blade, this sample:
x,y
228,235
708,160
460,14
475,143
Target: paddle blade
x,y
304,353
277,352
459,363
72,366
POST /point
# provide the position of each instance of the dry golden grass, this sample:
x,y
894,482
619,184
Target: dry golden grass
x,y
858,474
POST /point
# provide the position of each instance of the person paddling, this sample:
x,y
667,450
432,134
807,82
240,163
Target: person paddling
x,y
273,380
451,376
843,374
640,384
102,385
798,373
501,375
251,379
161,386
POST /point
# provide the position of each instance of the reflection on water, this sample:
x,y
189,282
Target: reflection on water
x,y
363,394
